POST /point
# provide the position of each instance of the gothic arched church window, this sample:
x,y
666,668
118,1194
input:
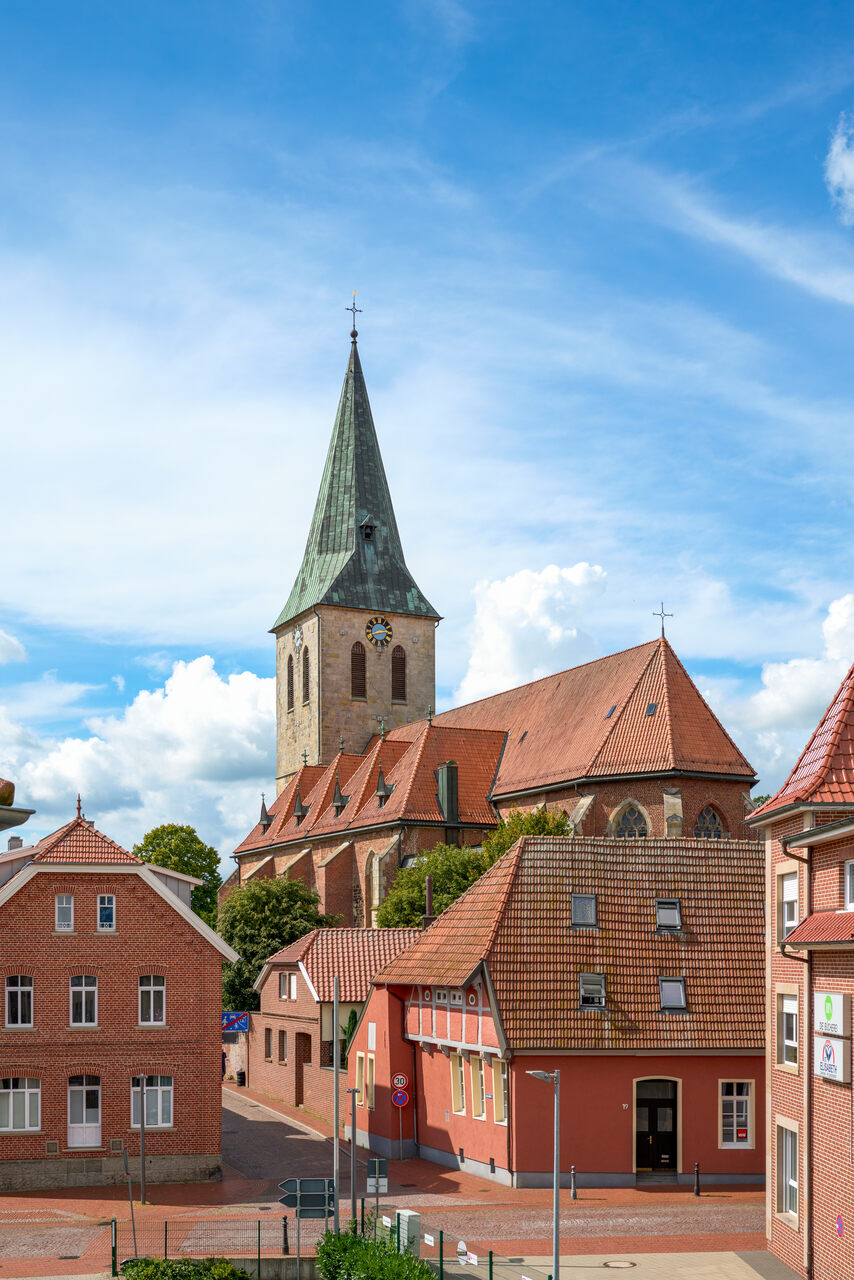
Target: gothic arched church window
x,y
709,825
398,673
306,677
358,671
290,682
631,824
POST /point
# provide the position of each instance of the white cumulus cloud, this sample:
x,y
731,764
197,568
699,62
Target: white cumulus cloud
x,y
528,625
11,649
197,750
839,169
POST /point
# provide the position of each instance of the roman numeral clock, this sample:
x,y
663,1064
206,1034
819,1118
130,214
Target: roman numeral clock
x,y
378,632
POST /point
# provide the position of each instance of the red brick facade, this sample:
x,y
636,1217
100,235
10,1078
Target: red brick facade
x,y
150,937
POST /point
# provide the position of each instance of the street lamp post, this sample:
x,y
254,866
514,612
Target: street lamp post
x,y
352,1093
553,1077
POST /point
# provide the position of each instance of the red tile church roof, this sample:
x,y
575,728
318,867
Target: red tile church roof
x,y
559,728
516,920
824,773
354,956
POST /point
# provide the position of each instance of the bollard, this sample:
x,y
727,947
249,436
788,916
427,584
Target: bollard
x,y
363,1215
165,1239
284,1235
115,1267
441,1255
573,1193
696,1177
258,1268
490,1264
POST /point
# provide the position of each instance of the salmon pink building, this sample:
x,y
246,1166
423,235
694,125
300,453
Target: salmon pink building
x,y
291,1038
809,840
632,966
111,991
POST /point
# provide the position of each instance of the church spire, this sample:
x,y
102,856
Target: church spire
x,y
354,557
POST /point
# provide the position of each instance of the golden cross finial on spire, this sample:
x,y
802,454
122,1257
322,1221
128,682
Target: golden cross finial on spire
x,y
356,311
659,613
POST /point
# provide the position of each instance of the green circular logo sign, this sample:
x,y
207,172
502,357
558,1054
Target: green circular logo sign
x,y
828,1008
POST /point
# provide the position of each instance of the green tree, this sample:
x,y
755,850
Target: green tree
x,y
181,849
455,868
257,919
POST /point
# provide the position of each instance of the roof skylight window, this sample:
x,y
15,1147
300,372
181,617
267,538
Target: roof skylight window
x,y
608,714
651,709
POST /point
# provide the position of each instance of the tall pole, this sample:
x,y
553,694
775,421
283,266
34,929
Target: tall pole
x,y
352,1093
142,1139
336,1064
556,1207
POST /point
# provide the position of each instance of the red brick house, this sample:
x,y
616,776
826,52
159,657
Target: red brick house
x,y
107,975
290,1038
633,966
809,841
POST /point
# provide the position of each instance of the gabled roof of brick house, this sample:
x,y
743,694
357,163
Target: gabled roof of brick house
x,y
824,773
354,956
79,841
515,923
634,712
408,766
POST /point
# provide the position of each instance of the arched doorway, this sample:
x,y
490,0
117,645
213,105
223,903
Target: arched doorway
x,y
656,1126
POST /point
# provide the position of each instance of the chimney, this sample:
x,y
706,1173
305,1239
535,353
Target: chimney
x,y
15,842
428,917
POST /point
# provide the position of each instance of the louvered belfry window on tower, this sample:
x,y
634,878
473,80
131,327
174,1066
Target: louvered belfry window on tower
x,y
290,682
358,671
398,674
306,676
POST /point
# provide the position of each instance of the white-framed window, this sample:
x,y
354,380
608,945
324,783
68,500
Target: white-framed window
x,y
83,1000
848,886
736,1113
456,997
159,1099
591,990
19,1000
671,993
63,913
788,903
20,1103
478,1105
292,986
441,995
106,913
283,986
360,1079
369,1081
500,1091
152,1000
458,1084
584,910
787,1030
668,914
787,1170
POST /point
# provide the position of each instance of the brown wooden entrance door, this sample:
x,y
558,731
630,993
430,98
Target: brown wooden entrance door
x,y
655,1123
302,1055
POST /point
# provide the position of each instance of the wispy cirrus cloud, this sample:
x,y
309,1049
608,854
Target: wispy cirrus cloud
x,y
11,649
839,169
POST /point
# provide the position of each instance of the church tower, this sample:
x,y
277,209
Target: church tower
x,y
355,643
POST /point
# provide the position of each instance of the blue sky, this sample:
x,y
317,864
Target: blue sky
x,y
606,260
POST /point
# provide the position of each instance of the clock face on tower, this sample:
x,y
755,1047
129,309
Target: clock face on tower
x,y
379,632
297,638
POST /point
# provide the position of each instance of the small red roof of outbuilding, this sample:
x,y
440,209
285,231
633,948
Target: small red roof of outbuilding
x,y
354,956
823,927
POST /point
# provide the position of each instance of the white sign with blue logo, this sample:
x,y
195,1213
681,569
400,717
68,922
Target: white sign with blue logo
x,y
831,1013
832,1058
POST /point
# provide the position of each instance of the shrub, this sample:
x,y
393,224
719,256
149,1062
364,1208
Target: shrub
x,y
348,1257
183,1269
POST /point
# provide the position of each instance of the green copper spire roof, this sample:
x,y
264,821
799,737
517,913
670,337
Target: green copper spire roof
x,y
353,556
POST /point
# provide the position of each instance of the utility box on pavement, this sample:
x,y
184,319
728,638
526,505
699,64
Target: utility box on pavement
x,y
409,1226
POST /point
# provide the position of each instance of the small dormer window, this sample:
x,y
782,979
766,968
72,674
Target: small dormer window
x,y
651,708
368,531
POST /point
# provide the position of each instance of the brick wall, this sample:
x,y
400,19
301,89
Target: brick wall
x,y
300,1019
150,937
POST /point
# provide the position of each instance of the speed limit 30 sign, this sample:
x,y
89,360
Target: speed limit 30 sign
x,y
400,1081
